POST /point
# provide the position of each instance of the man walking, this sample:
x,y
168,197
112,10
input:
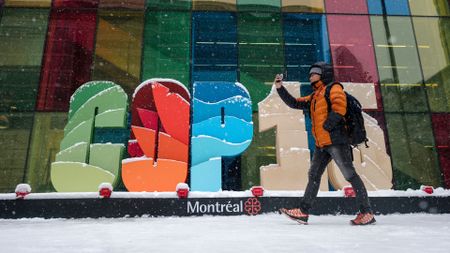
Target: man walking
x,y
331,140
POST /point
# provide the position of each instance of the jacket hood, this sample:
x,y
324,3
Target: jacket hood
x,y
327,71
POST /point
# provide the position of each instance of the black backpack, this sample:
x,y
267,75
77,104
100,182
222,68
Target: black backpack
x,y
354,119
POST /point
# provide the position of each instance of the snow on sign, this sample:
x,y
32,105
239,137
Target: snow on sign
x,y
163,135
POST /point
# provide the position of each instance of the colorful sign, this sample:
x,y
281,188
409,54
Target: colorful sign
x,y
172,135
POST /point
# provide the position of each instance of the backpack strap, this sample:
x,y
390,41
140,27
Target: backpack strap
x,y
327,94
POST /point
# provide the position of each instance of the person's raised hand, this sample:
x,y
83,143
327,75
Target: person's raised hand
x,y
278,82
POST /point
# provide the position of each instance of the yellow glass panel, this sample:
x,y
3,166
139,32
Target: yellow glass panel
x,y
118,47
302,5
214,5
429,7
28,3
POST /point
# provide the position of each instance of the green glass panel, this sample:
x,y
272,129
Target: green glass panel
x,y
398,64
261,54
22,36
260,153
412,153
166,46
125,4
302,6
258,5
429,7
169,5
118,48
214,5
48,131
15,131
433,39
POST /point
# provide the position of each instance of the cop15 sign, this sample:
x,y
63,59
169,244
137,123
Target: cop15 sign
x,y
164,134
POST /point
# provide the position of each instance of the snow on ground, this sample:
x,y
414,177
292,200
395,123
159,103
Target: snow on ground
x,y
263,233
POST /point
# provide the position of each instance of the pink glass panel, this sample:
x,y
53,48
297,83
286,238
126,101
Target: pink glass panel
x,y
75,3
68,55
346,6
441,126
352,50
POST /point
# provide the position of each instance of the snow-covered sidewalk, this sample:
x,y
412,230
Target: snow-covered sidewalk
x,y
263,233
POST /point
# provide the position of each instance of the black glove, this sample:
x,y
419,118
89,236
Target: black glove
x,y
332,121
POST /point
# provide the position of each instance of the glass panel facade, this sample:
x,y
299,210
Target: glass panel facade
x,y
214,46
433,40
126,4
49,48
48,131
302,5
305,42
21,30
27,3
351,49
214,5
413,155
441,126
258,5
429,8
388,7
68,54
347,7
261,54
398,65
166,45
169,5
118,48
15,131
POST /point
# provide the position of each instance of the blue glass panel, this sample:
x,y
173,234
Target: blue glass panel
x,y
389,7
306,42
214,49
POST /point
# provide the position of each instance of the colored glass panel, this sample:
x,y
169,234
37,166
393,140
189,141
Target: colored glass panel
x,y
169,5
441,126
398,65
388,7
127,4
166,45
302,5
15,131
413,155
429,8
433,39
118,48
350,7
28,3
78,4
48,131
305,42
261,152
258,5
214,5
351,49
68,54
22,35
214,46
261,54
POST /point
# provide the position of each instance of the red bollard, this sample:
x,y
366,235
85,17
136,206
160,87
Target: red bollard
x,y
257,191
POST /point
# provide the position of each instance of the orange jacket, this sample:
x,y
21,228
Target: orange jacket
x,y
319,110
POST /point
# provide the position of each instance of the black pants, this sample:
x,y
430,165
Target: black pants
x,y
342,155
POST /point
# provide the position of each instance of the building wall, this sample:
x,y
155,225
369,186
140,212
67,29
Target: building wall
x,y
49,48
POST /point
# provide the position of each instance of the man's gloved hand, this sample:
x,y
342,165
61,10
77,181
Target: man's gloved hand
x,y
332,121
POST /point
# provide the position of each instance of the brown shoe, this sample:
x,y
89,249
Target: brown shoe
x,y
363,219
296,214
